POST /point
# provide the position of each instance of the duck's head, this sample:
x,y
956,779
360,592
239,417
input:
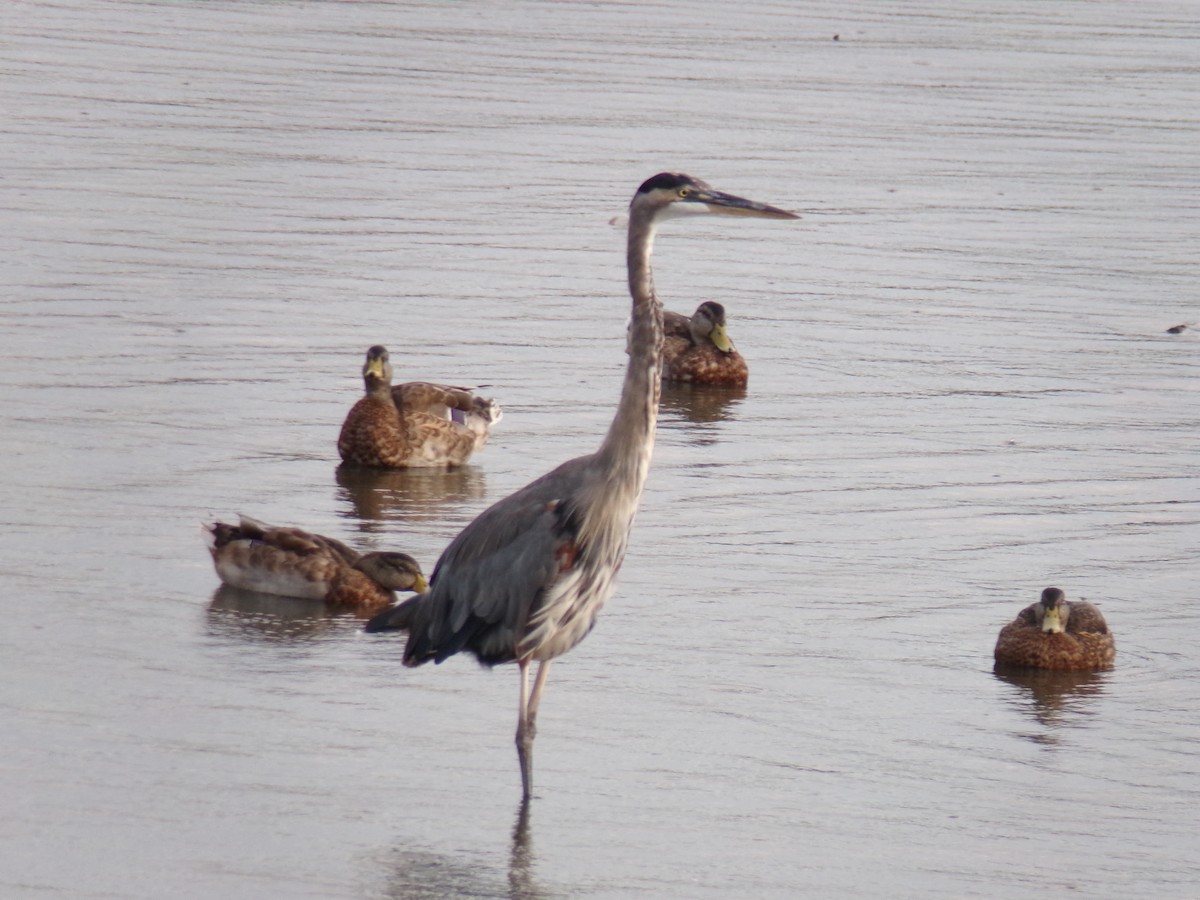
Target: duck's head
x,y
394,571
377,371
1052,611
708,322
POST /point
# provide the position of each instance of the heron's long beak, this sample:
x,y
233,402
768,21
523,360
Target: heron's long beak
x,y
728,204
720,339
1052,621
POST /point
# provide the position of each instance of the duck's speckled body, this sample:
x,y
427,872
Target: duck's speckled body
x,y
413,424
698,349
290,562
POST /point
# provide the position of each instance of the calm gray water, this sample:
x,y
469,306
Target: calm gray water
x,y
962,391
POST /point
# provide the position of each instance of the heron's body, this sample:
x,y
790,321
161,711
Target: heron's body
x,y
413,424
290,562
1057,634
697,349
526,579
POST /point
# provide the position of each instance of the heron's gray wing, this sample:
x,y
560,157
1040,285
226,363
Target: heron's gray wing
x,y
492,576
516,535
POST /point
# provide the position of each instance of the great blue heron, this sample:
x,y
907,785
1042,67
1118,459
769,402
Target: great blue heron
x,y
526,579
1057,634
413,424
698,349
291,562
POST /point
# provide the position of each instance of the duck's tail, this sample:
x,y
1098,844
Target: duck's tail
x,y
483,414
222,533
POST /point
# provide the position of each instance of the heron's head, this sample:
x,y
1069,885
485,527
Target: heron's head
x,y
1053,610
377,370
394,571
670,194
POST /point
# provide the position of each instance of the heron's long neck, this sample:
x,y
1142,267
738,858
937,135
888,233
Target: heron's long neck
x,y
627,447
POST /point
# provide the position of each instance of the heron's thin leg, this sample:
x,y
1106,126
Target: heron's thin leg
x,y
535,697
524,735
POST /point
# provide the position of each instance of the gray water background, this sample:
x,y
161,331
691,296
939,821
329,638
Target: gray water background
x,y
962,391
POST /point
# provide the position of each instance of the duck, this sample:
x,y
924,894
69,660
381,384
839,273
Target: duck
x,y
413,424
291,562
1057,634
697,349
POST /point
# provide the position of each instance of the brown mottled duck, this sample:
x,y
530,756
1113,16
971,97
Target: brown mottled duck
x,y
413,424
698,349
1057,634
290,562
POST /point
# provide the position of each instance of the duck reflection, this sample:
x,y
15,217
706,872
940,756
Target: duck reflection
x,y
381,495
1054,699
250,615
700,404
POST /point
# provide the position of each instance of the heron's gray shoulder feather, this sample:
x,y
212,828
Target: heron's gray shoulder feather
x,y
497,564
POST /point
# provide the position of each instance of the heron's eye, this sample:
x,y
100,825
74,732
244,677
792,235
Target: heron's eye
x,y
684,192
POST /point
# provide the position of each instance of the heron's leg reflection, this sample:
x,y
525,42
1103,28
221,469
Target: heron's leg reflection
x,y
521,885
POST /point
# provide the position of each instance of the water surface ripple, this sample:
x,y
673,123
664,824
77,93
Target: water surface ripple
x,y
962,391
